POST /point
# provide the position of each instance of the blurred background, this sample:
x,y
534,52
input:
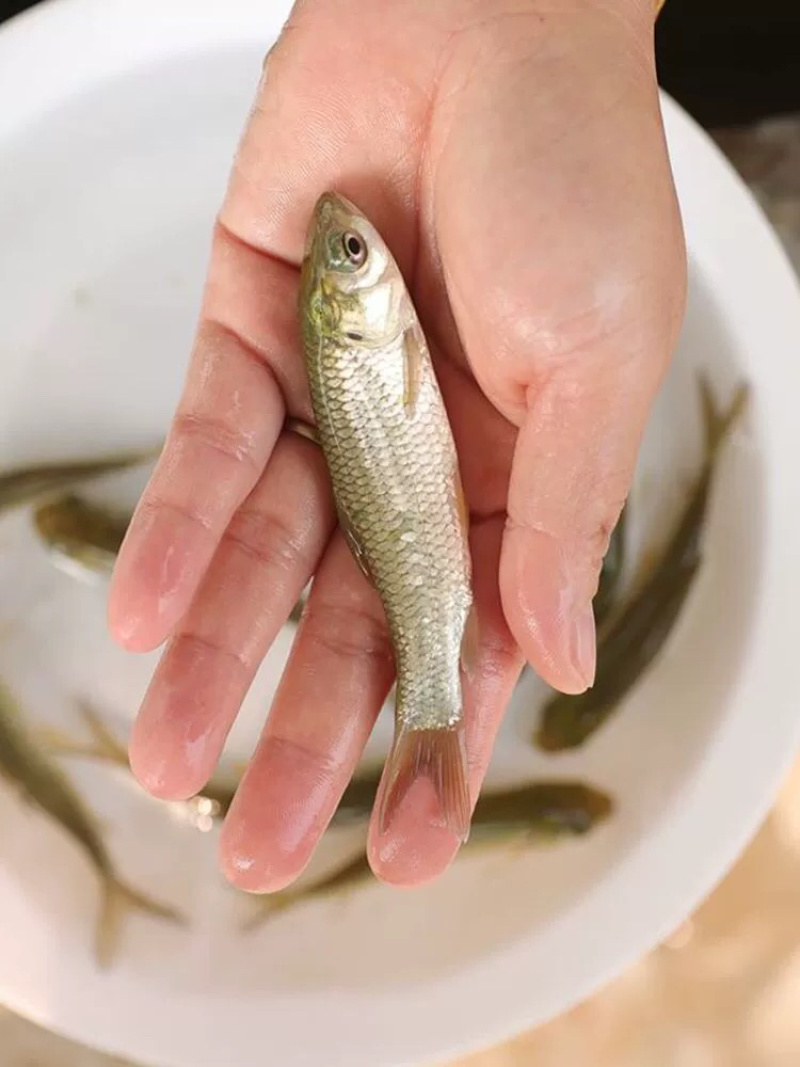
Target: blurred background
x,y
723,990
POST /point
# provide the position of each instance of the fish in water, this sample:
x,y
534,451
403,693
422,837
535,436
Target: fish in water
x,y
84,538
27,484
637,630
611,572
384,431
84,535
539,812
559,807
44,785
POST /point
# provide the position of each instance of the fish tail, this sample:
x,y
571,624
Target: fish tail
x,y
718,422
118,900
438,755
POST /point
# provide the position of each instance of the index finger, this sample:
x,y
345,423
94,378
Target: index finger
x,y
244,369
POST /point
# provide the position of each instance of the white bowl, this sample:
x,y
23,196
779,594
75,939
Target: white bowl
x,y
118,122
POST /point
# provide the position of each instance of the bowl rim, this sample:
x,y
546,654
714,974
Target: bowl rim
x,y
750,275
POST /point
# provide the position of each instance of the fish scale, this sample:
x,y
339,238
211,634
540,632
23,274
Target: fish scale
x,y
382,464
394,471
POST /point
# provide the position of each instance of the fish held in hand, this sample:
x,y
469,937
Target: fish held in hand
x,y
389,448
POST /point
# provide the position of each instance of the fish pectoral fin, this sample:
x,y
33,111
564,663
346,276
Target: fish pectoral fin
x,y
438,755
471,644
106,744
415,352
118,899
103,746
355,546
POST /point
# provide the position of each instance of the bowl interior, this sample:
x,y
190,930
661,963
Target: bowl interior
x,y
102,271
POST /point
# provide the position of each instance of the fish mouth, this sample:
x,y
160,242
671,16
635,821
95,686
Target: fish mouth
x,y
333,205
332,212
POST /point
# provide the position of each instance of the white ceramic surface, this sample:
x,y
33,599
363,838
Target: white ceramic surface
x,y
117,124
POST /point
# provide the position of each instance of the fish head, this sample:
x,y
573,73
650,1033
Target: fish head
x,y
354,288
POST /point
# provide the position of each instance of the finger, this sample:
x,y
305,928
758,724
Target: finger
x,y
570,329
337,678
264,560
414,850
317,140
244,369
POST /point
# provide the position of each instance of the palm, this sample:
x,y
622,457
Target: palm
x,y
506,198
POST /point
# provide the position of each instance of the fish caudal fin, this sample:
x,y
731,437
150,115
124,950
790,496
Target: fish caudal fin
x,y
717,421
438,755
118,899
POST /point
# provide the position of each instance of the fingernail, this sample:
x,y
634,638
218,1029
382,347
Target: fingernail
x,y
555,595
583,644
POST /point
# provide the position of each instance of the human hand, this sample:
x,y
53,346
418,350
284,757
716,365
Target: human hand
x,y
511,154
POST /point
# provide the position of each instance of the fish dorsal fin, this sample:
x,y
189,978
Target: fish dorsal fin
x,y
415,351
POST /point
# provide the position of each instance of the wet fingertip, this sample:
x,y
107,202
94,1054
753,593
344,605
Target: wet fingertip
x,y
413,850
127,624
155,781
244,869
127,633
406,869
551,622
158,771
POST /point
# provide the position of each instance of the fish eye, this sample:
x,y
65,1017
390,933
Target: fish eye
x,y
354,249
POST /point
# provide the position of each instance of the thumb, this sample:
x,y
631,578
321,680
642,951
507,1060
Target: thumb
x,y
565,268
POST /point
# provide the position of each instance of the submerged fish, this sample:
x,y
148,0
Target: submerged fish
x,y
637,631
22,764
345,876
563,807
387,441
610,572
543,811
85,534
27,484
85,538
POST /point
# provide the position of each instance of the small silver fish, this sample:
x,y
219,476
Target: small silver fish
x,y
387,441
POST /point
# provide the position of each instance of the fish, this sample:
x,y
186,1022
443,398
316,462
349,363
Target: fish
x,y
384,432
538,811
610,572
23,764
24,485
85,538
83,534
637,631
344,877
565,806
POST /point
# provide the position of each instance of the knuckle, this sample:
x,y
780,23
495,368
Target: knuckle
x,y
346,632
231,442
270,539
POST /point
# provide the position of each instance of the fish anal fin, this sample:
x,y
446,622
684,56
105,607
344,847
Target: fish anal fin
x,y
438,755
461,503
